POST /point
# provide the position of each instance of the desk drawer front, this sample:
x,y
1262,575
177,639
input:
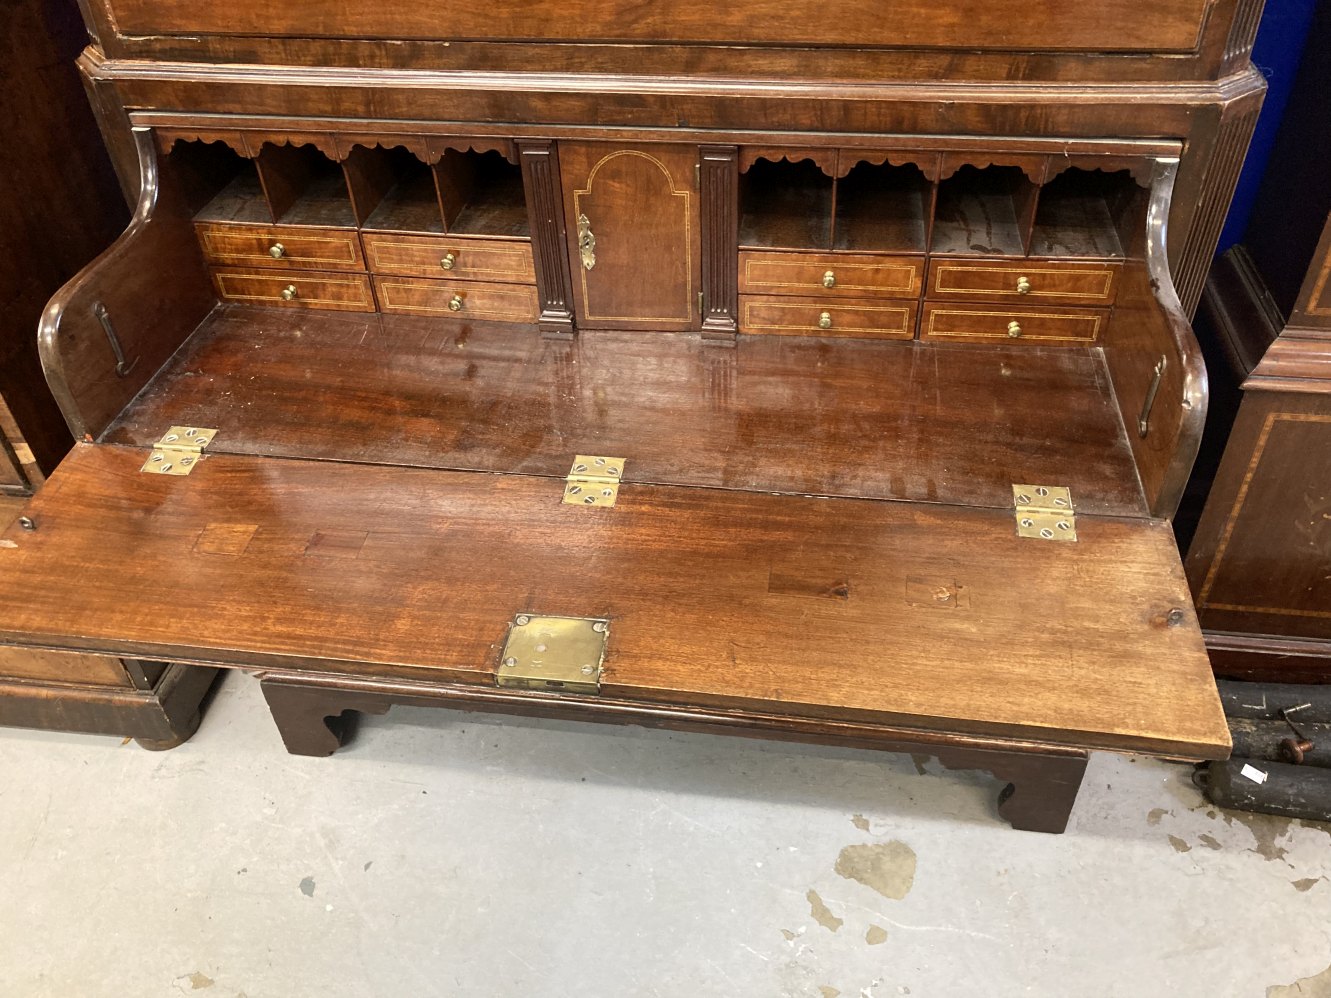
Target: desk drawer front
x,y
1044,282
983,324
498,260
342,292
830,275
282,248
459,299
822,317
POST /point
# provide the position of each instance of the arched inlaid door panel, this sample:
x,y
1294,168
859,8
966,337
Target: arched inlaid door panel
x,y
633,234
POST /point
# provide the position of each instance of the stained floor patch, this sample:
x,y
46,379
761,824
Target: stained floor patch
x,y
1154,815
876,935
827,991
823,914
1317,986
860,822
307,887
1306,884
1210,841
887,867
1179,845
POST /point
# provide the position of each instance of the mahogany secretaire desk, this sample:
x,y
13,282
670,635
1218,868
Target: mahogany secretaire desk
x,y
819,374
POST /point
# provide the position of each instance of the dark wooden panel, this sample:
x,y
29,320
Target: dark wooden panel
x,y
1174,25
1258,563
695,583
948,423
60,205
638,203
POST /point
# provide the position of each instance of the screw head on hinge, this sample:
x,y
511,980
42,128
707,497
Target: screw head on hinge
x,y
27,523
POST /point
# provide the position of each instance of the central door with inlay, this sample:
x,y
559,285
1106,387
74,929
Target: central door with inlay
x,y
632,217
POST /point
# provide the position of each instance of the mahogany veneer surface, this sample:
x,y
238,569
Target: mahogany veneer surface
x,y
904,420
833,608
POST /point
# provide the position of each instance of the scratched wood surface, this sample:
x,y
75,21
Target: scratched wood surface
x,y
911,613
907,420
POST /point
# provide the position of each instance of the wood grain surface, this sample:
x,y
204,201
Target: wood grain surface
x,y
933,616
893,420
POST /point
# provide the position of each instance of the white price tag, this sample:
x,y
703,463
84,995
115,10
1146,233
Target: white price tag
x,y
1252,773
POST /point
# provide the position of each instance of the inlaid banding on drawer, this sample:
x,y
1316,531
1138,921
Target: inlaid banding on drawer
x,y
459,299
1050,327
828,274
820,317
342,292
1049,282
281,248
499,260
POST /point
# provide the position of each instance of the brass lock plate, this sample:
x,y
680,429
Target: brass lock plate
x,y
1044,512
554,653
177,452
593,481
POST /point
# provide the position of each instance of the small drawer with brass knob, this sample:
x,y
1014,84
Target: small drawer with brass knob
x,y
986,324
503,261
859,317
282,247
305,290
848,275
460,299
1044,282
341,292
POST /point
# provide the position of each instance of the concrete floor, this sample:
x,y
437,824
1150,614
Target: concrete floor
x,y
452,854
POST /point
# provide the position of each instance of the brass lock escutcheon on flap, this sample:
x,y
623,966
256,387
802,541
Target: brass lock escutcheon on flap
x,y
593,481
178,451
554,653
586,242
1044,512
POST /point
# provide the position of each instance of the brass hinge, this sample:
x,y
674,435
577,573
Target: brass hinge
x,y
554,653
1045,512
593,481
178,451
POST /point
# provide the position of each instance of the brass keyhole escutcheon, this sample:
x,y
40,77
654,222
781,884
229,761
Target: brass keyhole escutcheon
x,y
449,261
289,293
1023,285
455,303
829,279
1014,329
586,242
277,251
825,320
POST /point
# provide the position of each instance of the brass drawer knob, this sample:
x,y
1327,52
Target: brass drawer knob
x,y
1014,329
448,261
277,251
1023,285
455,303
289,293
825,320
829,279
